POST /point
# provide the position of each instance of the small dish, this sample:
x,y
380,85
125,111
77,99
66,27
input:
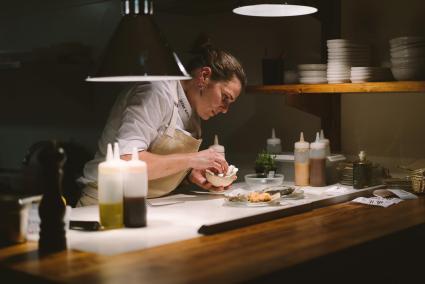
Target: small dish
x,y
251,204
224,179
295,195
281,189
260,183
218,181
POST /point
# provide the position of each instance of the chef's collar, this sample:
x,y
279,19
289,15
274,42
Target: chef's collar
x,y
185,110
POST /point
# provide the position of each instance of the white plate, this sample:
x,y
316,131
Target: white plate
x,y
325,81
252,204
297,194
311,67
338,81
409,46
209,192
312,73
406,40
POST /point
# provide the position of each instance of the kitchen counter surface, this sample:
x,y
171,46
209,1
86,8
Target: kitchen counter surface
x,y
182,221
265,251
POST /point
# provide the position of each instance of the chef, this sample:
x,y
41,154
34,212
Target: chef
x,y
162,120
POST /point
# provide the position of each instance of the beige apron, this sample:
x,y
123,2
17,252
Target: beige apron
x,y
172,141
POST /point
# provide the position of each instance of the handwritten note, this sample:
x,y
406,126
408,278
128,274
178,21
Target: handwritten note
x,y
378,201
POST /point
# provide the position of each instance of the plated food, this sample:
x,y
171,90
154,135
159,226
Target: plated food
x,y
269,196
281,189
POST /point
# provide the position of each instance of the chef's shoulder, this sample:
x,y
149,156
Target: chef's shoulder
x,y
157,93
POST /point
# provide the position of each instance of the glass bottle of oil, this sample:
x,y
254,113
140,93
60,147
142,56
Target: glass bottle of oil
x,y
362,172
110,186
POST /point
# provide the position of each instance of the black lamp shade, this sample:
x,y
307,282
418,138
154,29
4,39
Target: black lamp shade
x,y
138,52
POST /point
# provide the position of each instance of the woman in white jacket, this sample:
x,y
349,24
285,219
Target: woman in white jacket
x,y
162,120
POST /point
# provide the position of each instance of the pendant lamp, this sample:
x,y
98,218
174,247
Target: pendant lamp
x,y
269,8
137,51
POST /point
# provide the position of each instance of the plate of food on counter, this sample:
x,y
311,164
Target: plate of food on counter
x,y
270,196
286,192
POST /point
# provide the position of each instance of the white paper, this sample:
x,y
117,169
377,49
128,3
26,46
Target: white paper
x,y
405,195
377,201
336,190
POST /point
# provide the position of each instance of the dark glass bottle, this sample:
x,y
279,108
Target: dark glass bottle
x,y
362,172
52,206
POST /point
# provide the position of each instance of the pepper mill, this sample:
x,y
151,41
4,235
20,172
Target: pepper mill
x,y
52,206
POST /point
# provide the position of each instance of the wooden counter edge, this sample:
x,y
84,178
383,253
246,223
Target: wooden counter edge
x,y
276,245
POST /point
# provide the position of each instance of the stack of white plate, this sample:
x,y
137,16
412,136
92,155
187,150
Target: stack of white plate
x,y
370,74
408,58
342,55
312,73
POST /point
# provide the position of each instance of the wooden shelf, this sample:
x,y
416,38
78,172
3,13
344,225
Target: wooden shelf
x,y
370,87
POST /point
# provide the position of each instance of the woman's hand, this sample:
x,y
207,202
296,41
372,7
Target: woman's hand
x,y
198,177
208,159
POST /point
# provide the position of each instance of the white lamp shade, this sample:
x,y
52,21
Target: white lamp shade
x,y
274,10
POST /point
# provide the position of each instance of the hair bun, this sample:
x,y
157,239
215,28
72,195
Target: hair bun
x,y
202,44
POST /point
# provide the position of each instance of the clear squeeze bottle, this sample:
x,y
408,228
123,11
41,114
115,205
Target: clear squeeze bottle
x,y
326,141
317,162
135,191
110,186
302,163
273,144
217,147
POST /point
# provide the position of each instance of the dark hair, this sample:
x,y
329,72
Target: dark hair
x,y
223,65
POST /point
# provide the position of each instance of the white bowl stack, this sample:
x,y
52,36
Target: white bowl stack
x,y
342,55
370,74
408,58
312,73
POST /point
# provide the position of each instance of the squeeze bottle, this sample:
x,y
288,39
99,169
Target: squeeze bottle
x,y
317,162
326,141
135,191
217,147
110,190
301,162
273,144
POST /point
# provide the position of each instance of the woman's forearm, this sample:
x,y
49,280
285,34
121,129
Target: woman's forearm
x,y
163,165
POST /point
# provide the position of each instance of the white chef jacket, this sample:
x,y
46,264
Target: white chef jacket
x,y
138,116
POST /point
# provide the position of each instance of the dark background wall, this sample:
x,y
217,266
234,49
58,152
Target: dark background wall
x,y
59,41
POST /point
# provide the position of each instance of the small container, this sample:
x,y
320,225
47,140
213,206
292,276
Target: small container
x,y
273,144
302,162
259,183
317,160
362,172
110,190
135,191
217,147
15,211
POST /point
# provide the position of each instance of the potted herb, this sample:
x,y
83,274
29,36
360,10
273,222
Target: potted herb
x,y
264,164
